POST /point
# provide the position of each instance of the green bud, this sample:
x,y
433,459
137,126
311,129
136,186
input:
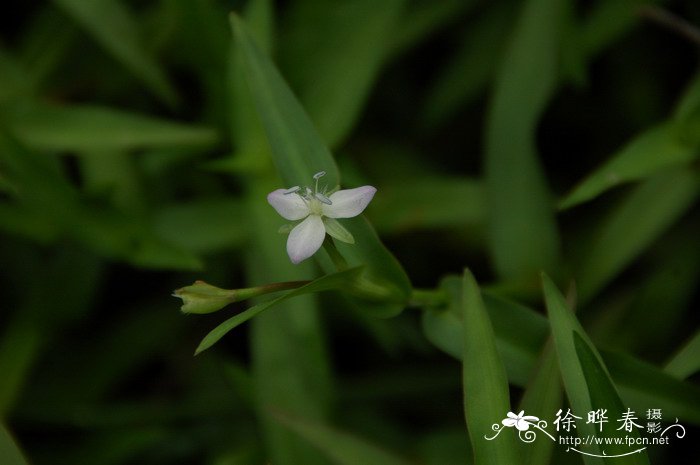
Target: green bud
x,y
202,297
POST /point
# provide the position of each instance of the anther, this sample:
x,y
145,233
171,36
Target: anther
x,y
292,190
319,175
323,199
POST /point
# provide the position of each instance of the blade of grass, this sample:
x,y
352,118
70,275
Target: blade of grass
x,y
340,447
114,28
10,453
603,394
333,52
643,385
686,362
543,397
472,67
428,203
523,232
298,152
632,225
87,128
648,153
564,325
485,385
520,331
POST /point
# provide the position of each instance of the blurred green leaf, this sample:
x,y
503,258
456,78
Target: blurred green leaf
x,y
543,397
644,386
297,149
428,203
689,103
603,394
523,232
485,385
650,152
204,226
686,362
87,127
520,332
299,152
421,19
564,325
10,453
337,280
334,52
114,28
608,21
472,67
340,447
631,226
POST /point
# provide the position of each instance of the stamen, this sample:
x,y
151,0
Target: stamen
x,y
322,198
292,190
318,176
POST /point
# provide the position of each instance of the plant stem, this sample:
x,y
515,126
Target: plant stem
x,y
338,260
427,297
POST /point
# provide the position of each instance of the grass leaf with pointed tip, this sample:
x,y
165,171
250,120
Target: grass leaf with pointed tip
x,y
113,27
485,384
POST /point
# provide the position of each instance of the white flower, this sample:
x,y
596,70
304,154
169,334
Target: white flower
x,y
318,211
522,423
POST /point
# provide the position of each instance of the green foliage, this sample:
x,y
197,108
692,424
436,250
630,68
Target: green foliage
x,y
138,143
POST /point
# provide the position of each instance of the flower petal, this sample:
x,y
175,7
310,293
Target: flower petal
x,y
349,202
305,239
512,415
289,205
509,422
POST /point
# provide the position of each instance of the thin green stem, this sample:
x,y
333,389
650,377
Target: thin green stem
x,y
338,260
427,298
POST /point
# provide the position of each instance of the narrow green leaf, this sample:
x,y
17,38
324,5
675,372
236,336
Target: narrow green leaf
x,y
340,447
472,67
334,52
648,153
298,152
337,280
686,362
419,20
564,325
87,128
204,226
520,331
10,453
297,149
645,386
607,21
603,395
428,203
522,228
542,398
632,225
485,385
113,27
689,103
